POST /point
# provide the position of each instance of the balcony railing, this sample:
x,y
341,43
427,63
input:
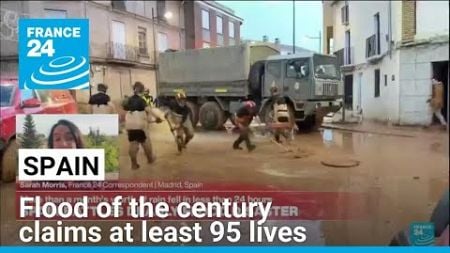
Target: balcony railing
x,y
122,52
371,46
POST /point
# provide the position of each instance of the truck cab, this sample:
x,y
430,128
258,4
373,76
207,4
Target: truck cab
x,y
310,83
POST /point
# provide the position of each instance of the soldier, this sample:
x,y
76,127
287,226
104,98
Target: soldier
x,y
283,120
244,117
147,97
181,117
136,123
101,102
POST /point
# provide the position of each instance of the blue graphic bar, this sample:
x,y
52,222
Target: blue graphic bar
x,y
259,249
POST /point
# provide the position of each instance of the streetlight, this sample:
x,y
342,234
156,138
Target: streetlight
x,y
293,27
168,15
315,38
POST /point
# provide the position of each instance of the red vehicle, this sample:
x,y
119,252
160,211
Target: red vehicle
x,y
14,101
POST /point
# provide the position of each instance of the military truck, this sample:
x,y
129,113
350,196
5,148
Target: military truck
x,y
216,80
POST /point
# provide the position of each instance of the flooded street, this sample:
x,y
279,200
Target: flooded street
x,y
400,177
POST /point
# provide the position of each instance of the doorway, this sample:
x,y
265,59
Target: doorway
x,y
441,72
348,92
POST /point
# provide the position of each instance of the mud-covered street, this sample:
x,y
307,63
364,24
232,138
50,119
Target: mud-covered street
x,y
401,177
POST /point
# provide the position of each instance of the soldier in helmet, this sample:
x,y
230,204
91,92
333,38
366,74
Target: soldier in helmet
x,y
100,102
136,123
180,115
244,117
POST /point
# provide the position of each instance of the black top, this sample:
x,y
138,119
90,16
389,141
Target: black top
x,y
99,99
178,109
244,111
136,103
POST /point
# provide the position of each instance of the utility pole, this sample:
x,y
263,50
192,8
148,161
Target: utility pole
x,y
293,26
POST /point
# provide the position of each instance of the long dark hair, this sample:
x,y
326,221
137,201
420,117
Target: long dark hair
x,y
74,131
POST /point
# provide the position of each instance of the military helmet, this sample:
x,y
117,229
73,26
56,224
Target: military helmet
x,y
180,95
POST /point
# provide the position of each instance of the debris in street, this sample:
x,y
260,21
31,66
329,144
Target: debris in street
x,y
416,178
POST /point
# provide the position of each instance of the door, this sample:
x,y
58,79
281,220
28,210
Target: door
x,y
348,92
359,100
440,72
272,77
118,40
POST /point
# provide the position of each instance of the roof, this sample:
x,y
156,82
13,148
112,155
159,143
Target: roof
x,y
295,56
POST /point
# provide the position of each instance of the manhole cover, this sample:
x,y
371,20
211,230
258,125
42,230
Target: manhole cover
x,y
340,163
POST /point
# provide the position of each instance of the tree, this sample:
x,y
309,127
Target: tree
x,y
30,137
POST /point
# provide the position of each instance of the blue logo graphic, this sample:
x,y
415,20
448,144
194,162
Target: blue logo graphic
x,y
54,54
421,233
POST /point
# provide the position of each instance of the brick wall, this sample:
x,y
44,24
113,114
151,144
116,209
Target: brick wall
x,y
408,20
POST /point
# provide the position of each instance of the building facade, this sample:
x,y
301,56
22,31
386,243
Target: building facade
x,y
125,38
389,52
210,24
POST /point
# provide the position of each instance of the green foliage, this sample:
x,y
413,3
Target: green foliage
x,y
30,138
95,139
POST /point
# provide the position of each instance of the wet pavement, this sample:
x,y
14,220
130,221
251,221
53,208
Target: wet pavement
x,y
400,177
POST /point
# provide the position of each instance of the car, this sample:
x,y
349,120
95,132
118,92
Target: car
x,y
14,101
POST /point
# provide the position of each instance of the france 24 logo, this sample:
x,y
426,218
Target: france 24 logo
x,y
54,54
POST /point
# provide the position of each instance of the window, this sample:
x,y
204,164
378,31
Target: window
x,y
119,5
219,28
325,71
161,9
49,13
297,68
344,14
142,37
219,25
162,42
205,19
385,80
377,83
27,95
206,44
377,33
347,51
6,95
231,29
274,69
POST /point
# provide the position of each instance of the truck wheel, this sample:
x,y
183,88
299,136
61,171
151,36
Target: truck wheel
x,y
308,124
256,72
211,116
193,107
9,162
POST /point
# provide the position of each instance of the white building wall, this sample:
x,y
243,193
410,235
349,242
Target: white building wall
x,y
431,18
362,26
403,98
415,81
338,29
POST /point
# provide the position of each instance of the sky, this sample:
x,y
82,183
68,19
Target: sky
x,y
108,123
274,19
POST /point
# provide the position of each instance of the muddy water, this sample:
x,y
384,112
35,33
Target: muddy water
x,y
401,178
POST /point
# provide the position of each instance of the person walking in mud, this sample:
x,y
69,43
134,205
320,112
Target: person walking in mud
x,y
136,123
437,100
180,115
244,116
101,102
